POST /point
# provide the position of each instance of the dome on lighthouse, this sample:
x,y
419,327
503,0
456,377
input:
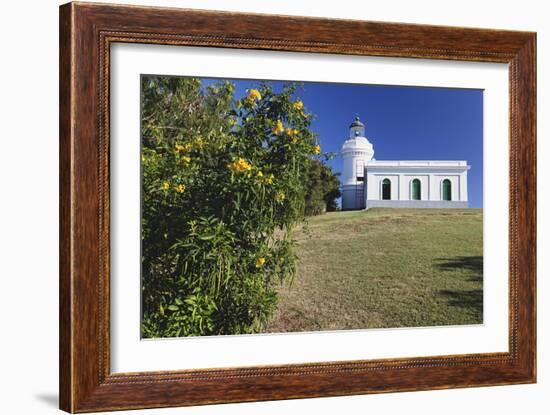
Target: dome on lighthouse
x,y
356,123
357,143
356,128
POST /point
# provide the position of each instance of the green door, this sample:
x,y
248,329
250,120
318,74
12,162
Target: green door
x,y
386,189
416,189
446,189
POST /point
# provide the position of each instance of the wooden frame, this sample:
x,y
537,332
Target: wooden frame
x,y
86,33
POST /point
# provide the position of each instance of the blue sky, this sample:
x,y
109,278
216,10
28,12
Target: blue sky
x,y
402,123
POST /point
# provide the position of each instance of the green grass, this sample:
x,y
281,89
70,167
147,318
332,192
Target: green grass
x,y
385,268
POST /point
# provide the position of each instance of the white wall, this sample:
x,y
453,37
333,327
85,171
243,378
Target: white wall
x,y
436,187
353,197
374,185
405,186
351,163
28,219
430,185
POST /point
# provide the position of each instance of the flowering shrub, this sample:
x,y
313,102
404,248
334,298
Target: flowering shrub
x,y
224,182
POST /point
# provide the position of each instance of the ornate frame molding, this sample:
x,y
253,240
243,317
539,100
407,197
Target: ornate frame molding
x,y
86,33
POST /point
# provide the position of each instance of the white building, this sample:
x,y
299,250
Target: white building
x,y
368,183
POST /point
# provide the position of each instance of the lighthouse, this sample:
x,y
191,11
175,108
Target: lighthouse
x,y
356,152
368,183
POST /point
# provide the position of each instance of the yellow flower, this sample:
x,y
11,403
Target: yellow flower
x,y
317,149
186,159
295,140
260,174
278,129
183,147
269,179
260,262
298,105
253,95
180,188
240,165
291,131
165,185
280,196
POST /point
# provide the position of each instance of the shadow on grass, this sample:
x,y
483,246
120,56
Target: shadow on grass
x,y
474,264
466,299
471,300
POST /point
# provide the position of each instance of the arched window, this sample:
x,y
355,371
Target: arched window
x,y
446,189
386,189
415,189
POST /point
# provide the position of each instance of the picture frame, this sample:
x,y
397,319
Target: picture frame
x,y
87,32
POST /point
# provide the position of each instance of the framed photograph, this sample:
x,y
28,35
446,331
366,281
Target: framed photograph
x,y
258,207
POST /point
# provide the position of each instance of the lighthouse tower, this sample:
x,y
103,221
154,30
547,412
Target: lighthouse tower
x,y
357,151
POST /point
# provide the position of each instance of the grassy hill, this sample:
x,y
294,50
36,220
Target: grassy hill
x,y
385,268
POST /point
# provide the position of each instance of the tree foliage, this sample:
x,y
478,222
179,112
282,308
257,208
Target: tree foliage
x,y
224,181
323,189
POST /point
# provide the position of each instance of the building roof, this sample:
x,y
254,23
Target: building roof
x,y
429,165
419,163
